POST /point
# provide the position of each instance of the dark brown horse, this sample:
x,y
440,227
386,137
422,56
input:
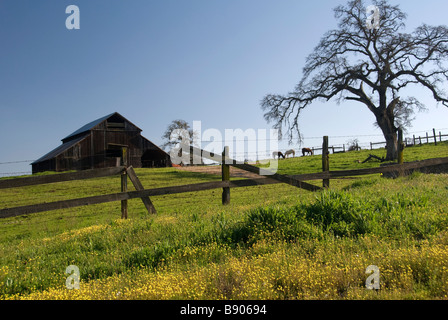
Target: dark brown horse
x,y
306,151
278,154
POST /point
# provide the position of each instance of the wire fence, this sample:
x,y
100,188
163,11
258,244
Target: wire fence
x,y
13,174
413,138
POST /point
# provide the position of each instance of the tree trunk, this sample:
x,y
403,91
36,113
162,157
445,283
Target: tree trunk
x,y
386,125
391,146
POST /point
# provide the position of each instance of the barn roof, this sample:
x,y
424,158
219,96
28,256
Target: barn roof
x,y
57,151
89,126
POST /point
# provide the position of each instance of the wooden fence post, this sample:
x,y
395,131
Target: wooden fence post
x,y
325,161
124,182
400,146
225,170
139,187
435,137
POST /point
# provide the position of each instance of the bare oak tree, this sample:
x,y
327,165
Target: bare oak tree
x,y
369,65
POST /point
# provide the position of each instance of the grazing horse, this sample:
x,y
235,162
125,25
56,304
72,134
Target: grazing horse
x,y
289,152
306,151
278,154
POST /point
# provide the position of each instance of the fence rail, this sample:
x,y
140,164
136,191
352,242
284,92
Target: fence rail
x,y
409,142
122,170
61,177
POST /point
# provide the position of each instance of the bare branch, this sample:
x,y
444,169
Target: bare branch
x,y
352,58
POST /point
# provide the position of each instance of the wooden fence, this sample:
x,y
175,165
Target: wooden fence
x,y
226,184
122,170
434,137
333,148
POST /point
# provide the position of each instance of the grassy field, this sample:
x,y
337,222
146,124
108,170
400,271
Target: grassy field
x,y
271,242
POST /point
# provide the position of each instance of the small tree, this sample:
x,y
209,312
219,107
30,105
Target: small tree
x,y
353,145
369,65
179,132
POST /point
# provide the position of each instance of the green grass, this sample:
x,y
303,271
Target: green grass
x,y
274,242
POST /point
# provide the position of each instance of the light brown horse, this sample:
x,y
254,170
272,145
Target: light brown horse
x,y
289,152
306,151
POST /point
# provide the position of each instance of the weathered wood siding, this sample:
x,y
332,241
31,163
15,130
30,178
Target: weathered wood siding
x,y
100,148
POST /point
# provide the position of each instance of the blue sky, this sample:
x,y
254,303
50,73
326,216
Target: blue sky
x,y
156,61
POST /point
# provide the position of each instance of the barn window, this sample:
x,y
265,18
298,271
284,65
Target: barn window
x,y
115,123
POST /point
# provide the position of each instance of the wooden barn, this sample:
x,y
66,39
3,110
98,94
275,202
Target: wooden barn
x,y
98,145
